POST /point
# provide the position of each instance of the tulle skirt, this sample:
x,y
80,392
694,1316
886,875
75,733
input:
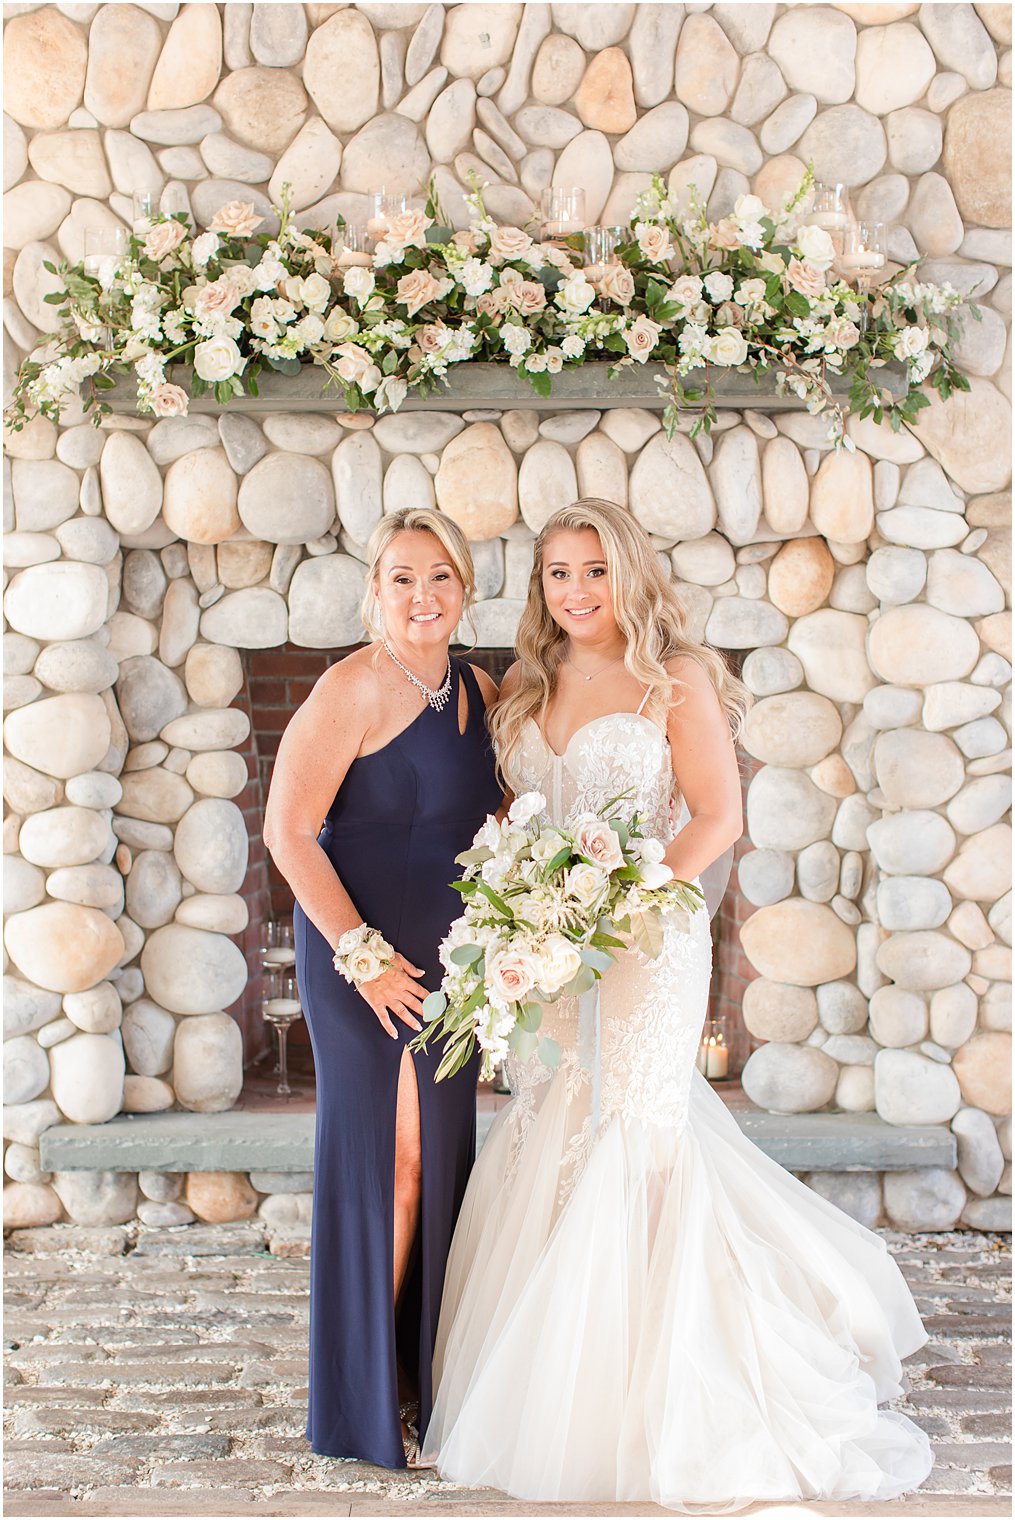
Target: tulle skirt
x,y
689,1324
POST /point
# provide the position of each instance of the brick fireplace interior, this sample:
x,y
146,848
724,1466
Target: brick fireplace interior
x,y
277,681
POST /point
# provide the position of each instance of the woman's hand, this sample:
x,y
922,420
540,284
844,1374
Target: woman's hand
x,y
396,992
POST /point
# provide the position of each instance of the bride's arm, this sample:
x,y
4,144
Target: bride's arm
x,y
705,765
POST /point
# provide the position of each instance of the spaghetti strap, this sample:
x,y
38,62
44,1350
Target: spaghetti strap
x,y
644,699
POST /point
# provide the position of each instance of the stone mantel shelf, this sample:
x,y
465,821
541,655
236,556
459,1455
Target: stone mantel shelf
x,y
241,1142
497,387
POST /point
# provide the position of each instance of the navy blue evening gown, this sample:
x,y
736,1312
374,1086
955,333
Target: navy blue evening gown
x,y
392,833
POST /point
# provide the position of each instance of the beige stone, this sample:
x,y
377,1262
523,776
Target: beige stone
x,y
220,1197
982,869
146,1095
45,56
916,645
62,735
800,577
962,435
894,66
478,37
831,647
558,69
155,795
842,498
213,675
477,482
191,60
785,486
131,484
62,946
796,728
243,562
983,1067
344,47
977,157
779,1011
201,497
707,66
605,98
123,45
207,1058
263,107
28,1205
798,942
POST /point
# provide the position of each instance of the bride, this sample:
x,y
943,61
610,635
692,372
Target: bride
x,y
640,1304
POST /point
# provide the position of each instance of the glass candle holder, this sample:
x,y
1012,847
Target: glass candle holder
x,y
862,260
278,951
713,1059
600,244
831,207
281,1007
351,243
104,250
144,210
562,212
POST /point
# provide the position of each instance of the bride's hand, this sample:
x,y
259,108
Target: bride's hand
x,y
395,992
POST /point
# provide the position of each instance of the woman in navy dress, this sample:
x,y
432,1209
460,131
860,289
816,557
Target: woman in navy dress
x,y
391,750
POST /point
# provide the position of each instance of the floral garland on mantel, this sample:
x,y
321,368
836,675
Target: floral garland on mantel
x,y
755,292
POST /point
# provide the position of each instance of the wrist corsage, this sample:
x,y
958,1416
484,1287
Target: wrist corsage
x,y
363,954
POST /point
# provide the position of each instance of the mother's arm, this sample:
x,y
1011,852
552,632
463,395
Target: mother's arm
x,y
705,765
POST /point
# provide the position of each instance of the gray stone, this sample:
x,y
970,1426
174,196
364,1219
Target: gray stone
x,y
786,811
981,803
96,1011
26,1069
910,1089
914,139
912,902
768,671
356,471
207,1058
86,1076
842,1008
255,618
786,1078
154,889
388,151
302,484
765,876
846,144
778,1011
243,442
24,884
856,1194
25,1122
148,1034
896,575
962,586
961,42
97,1198
927,1199
154,795
740,623
324,602
912,843
210,846
45,494
980,1159
818,871
149,696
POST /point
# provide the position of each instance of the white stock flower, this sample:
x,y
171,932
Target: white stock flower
x,y
573,347
204,247
489,836
525,807
517,340
474,277
218,359
718,286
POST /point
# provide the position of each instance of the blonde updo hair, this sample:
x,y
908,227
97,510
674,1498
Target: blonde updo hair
x,y
416,520
648,614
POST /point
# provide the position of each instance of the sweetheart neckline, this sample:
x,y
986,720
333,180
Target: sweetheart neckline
x,y
642,718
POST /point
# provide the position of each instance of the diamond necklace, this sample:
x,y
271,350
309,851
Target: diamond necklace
x,y
437,697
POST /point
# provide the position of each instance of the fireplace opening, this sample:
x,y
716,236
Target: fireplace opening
x,y
277,681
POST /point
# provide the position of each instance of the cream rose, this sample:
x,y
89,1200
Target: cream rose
x,y
575,295
512,974
339,325
547,846
559,963
235,219
586,884
509,243
816,247
364,964
315,293
641,338
218,359
358,283
654,242
216,299
355,365
408,228
730,347
842,333
654,874
616,283
415,289
599,843
528,297
724,234
162,239
805,277
168,401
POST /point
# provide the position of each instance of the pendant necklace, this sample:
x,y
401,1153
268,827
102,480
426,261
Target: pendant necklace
x,y
436,696
595,672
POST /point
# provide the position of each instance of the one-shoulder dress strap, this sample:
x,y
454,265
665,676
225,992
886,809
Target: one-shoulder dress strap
x,y
474,696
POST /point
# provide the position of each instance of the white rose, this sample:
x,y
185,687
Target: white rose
x,y
218,359
315,292
816,247
719,286
650,849
586,884
575,295
203,248
749,208
359,283
654,875
364,964
512,974
599,843
910,342
559,963
729,347
525,807
686,291
339,325
549,844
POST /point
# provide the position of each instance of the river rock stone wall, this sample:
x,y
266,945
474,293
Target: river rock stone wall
x,y
868,590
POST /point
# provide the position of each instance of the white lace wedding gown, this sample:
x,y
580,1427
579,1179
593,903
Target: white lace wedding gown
x,y
657,1311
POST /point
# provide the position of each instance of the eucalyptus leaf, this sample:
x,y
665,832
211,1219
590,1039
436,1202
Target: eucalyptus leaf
x,y
434,1005
522,1042
466,955
598,960
530,1017
583,982
549,1052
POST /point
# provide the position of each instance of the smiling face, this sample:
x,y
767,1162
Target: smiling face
x,y
576,586
420,592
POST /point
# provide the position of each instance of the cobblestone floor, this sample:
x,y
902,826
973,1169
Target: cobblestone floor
x,y
163,1373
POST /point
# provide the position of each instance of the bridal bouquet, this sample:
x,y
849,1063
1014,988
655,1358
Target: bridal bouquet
x,y
546,910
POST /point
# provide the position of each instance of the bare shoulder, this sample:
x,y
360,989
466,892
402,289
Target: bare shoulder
x,y
349,687
510,681
487,685
695,690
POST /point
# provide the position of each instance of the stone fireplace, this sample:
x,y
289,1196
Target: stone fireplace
x,y
171,584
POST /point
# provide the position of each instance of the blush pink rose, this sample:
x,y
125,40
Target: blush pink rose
x,y
804,277
235,219
168,401
616,283
599,843
162,239
509,243
415,289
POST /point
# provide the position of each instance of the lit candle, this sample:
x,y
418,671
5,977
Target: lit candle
x,y
717,1059
282,1008
279,955
863,258
828,219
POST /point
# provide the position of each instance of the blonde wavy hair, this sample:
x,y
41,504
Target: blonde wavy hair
x,y
647,611
416,520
